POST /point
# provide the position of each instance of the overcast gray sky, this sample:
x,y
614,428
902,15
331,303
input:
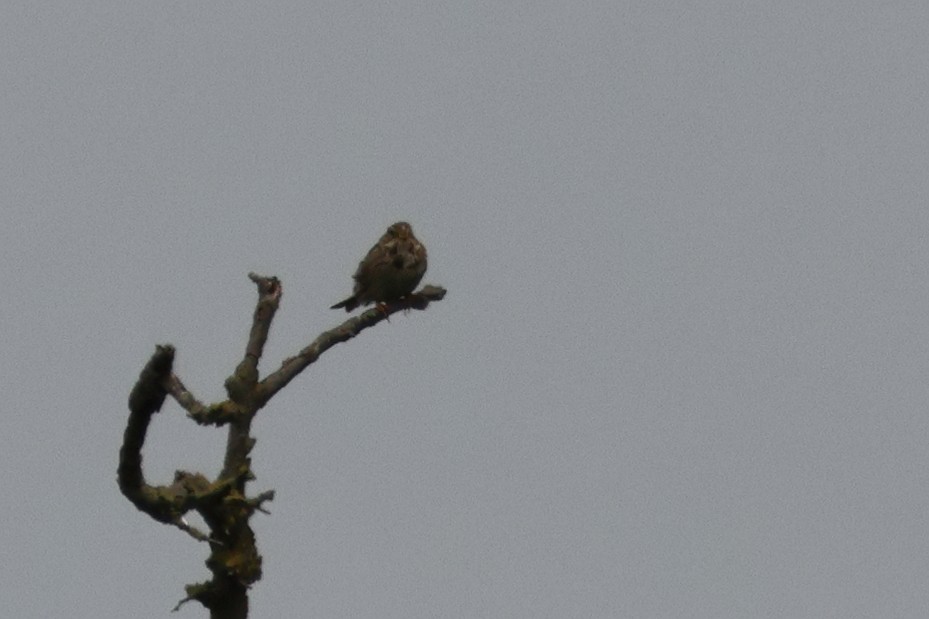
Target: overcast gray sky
x,y
681,368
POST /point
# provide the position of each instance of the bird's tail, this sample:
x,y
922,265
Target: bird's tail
x,y
349,304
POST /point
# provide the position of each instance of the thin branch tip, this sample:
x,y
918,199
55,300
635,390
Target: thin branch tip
x,y
267,285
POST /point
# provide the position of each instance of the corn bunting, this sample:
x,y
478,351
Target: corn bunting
x,y
390,271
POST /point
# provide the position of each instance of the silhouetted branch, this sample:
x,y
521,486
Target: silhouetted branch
x,y
292,366
270,291
145,400
234,560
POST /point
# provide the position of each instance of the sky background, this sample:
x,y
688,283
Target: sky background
x,y
680,370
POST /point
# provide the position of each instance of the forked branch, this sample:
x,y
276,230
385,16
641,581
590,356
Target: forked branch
x,y
222,503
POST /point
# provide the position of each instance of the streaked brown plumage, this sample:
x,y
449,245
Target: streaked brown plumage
x,y
390,271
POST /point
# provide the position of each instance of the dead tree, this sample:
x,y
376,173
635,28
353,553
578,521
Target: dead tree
x,y
222,502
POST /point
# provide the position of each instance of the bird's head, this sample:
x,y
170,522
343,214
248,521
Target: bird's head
x,y
400,230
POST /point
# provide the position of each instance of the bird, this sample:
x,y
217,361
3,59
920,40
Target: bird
x,y
390,271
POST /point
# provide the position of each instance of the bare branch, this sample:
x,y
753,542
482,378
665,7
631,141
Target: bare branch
x,y
181,603
194,532
145,400
183,397
240,385
258,501
292,366
223,503
270,291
